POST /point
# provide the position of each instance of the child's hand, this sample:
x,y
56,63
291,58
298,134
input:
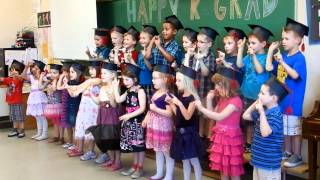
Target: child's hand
x,y
157,41
198,103
259,106
87,51
274,45
211,94
278,57
115,83
251,52
221,57
124,117
241,43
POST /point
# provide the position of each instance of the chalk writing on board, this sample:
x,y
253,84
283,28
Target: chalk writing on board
x,y
143,11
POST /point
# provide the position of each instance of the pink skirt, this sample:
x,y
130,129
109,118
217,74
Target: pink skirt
x,y
159,132
226,152
53,112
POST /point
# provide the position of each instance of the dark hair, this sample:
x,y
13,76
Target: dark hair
x,y
16,67
130,74
98,71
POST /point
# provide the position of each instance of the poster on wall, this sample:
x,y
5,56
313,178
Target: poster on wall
x,y
44,19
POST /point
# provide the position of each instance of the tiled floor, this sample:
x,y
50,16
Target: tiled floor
x,y
26,159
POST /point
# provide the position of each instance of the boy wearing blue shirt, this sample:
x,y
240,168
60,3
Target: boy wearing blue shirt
x,y
290,68
268,131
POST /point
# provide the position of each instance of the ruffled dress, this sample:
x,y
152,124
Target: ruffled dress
x,y
37,99
226,152
53,109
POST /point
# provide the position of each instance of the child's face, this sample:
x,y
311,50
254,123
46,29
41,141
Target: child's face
x,y
35,70
144,39
54,74
168,31
264,95
158,80
128,81
203,43
13,72
72,74
230,45
116,39
92,72
107,75
179,82
290,40
220,90
256,45
98,41
186,43
129,41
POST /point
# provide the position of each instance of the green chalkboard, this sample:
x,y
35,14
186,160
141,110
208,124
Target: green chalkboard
x,y
217,14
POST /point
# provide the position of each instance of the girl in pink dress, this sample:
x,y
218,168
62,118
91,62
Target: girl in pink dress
x,y
226,152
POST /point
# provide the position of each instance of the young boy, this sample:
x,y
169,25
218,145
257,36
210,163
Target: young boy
x,y
268,130
204,63
290,68
14,98
167,51
101,42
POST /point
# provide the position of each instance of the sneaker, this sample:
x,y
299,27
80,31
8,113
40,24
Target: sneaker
x,y
102,158
66,145
293,161
75,153
88,156
72,146
137,174
115,167
13,133
21,135
286,155
128,172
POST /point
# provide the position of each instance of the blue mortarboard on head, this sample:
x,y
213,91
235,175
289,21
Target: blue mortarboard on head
x,y
188,71
119,29
109,66
150,29
227,72
209,32
133,68
95,63
163,69
78,66
134,32
277,87
235,32
190,34
40,64
297,27
55,66
101,32
260,31
173,19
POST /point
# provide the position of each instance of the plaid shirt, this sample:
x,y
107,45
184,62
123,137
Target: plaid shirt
x,y
205,81
172,48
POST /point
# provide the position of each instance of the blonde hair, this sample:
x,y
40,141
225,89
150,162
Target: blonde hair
x,y
231,86
189,85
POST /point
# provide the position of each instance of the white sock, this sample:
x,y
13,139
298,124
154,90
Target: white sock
x,y
44,126
159,164
39,125
197,168
186,169
169,167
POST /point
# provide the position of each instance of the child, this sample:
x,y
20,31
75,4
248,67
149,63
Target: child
x,y
132,138
53,109
231,49
101,42
253,65
189,43
37,99
145,76
187,142
107,131
203,62
290,68
268,131
167,50
14,98
116,33
226,152
87,113
73,102
159,123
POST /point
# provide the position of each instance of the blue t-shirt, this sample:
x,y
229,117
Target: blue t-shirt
x,y
294,100
267,151
252,81
103,52
145,76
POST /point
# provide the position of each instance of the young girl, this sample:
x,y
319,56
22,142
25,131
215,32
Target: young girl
x,y
253,65
189,43
37,98
226,153
75,73
132,138
101,42
87,113
187,143
53,109
231,50
145,76
158,122
116,33
107,131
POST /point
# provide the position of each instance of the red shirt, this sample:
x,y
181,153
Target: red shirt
x,y
14,91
